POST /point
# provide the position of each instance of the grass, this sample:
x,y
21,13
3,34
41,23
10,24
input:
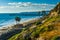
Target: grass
x,y
55,37
15,36
38,30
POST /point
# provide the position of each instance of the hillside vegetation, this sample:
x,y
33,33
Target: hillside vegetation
x,y
48,30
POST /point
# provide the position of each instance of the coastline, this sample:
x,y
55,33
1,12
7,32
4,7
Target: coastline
x,y
8,28
22,22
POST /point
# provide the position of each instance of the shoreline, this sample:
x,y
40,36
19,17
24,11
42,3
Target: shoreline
x,y
24,22
8,28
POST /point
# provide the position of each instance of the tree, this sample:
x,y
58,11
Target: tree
x,y
39,13
17,19
44,13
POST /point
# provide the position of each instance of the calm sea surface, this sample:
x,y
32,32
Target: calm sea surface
x,y
9,18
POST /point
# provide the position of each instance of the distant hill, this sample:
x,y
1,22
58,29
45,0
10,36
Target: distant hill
x,y
29,13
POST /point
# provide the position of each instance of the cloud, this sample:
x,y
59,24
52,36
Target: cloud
x,y
20,3
29,4
25,7
2,7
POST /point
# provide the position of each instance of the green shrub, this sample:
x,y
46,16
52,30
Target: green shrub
x,y
56,38
50,27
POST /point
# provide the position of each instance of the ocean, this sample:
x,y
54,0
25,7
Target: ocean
x,y
9,18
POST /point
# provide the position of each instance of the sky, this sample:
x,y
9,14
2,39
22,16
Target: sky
x,y
17,6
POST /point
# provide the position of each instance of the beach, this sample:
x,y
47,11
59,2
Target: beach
x,y
7,28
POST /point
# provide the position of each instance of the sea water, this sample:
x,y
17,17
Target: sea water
x,y
9,18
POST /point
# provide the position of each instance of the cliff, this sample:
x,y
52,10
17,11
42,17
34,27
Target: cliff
x,y
48,30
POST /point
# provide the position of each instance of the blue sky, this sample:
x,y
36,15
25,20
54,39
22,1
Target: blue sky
x,y
16,6
34,1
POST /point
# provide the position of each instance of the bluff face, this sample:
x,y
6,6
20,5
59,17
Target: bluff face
x,y
49,30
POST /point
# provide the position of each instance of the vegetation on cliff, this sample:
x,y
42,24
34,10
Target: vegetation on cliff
x,y
47,30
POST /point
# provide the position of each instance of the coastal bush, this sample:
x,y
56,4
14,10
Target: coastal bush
x,y
27,38
35,34
43,30
56,38
37,23
50,27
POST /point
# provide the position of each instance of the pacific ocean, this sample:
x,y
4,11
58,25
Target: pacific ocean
x,y
9,18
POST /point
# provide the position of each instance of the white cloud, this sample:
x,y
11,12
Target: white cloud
x,y
25,7
12,3
20,3
2,7
30,4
